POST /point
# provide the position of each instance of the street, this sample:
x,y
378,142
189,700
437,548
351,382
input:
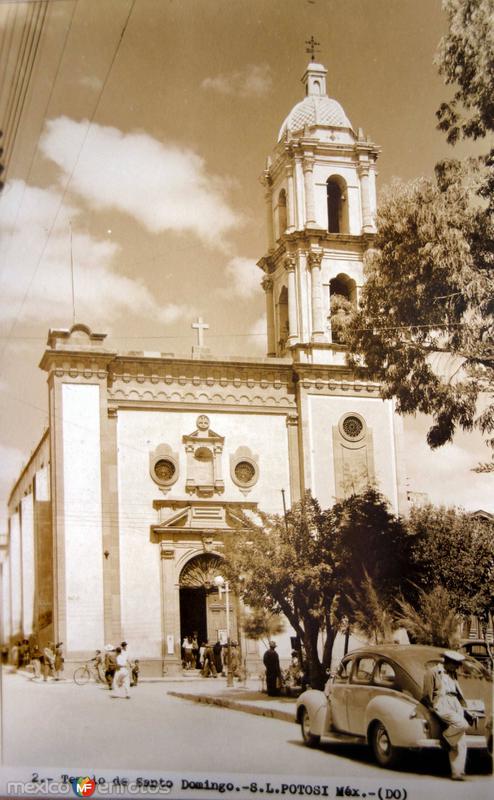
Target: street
x,y
62,724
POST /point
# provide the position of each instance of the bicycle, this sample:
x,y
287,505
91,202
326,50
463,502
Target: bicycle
x,y
86,673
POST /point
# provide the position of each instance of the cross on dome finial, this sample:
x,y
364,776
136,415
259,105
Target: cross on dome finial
x,y
200,326
312,48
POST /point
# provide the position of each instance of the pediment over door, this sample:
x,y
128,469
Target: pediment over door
x,y
184,515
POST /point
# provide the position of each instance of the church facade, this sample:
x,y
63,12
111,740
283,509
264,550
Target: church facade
x,y
117,525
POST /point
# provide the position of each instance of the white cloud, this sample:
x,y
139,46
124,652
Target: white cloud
x,y
257,337
446,474
36,278
253,81
243,278
163,186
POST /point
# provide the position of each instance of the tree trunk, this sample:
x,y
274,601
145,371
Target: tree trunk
x,y
331,631
317,675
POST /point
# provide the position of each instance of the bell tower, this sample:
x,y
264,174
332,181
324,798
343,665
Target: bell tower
x,y
320,207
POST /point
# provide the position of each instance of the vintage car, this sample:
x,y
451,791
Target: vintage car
x,y
479,649
376,698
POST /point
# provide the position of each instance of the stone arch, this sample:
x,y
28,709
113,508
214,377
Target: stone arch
x,y
337,204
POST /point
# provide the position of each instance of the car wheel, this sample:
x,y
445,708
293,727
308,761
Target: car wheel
x,y
310,739
384,752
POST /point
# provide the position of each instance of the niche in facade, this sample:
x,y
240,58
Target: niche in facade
x,y
203,450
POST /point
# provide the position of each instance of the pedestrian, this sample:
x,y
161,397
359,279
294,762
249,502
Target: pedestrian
x,y
202,650
271,662
23,657
188,646
195,649
121,681
442,690
218,660
48,661
14,655
208,665
36,656
58,662
110,664
99,666
135,673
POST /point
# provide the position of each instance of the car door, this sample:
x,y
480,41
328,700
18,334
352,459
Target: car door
x,y
360,691
337,695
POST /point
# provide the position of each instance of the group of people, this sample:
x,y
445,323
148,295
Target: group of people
x,y
115,668
210,659
45,663
290,681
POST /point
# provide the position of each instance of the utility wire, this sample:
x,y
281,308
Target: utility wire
x,y
69,179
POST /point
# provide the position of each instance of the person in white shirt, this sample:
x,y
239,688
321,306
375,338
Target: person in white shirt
x,y
121,681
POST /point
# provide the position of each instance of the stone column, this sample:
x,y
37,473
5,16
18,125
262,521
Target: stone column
x,y
290,198
299,193
294,458
310,213
268,196
170,610
290,263
314,261
267,285
367,221
330,331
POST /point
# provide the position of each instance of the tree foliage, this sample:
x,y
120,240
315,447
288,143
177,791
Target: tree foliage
x,y
452,549
370,614
432,620
426,323
307,565
466,61
260,624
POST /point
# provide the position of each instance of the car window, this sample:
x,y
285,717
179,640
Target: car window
x,y
363,670
343,671
385,674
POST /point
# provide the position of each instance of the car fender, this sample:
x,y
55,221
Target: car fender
x,y
406,720
316,704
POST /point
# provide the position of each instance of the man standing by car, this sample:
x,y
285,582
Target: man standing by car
x,y
273,672
446,699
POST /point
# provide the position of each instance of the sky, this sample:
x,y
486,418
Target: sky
x,y
138,145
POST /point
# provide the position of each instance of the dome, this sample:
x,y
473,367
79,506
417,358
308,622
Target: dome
x,y
315,110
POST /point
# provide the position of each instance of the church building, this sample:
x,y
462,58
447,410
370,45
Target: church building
x,y
117,524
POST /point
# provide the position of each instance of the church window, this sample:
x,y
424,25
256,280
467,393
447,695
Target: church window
x,y
244,468
244,472
164,469
352,427
342,302
334,204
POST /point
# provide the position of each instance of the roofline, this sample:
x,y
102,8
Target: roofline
x,y
28,464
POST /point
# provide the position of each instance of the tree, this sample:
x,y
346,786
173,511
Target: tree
x,y
371,616
433,620
307,565
454,550
466,60
426,324
260,624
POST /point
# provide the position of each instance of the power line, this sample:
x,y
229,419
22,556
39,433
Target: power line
x,y
69,179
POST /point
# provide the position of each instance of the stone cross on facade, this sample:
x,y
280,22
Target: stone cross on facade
x,y
200,326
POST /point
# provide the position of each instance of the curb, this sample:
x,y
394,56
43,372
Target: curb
x,y
247,708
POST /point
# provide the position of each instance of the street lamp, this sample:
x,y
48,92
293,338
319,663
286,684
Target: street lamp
x,y
224,586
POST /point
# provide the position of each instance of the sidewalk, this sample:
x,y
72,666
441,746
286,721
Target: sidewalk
x,y
240,697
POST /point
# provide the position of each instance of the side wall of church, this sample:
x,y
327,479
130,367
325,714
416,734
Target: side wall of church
x,y
82,516
140,432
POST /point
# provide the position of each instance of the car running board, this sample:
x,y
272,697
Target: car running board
x,y
348,738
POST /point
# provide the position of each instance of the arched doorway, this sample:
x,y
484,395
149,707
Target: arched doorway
x,y
202,611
